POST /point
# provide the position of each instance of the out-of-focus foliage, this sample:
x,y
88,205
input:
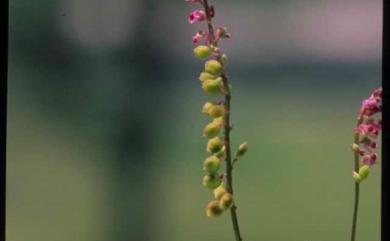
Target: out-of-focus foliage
x,y
105,115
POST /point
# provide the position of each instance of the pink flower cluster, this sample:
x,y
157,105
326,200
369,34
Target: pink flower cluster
x,y
201,15
369,127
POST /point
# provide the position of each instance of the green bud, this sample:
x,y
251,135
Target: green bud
x,y
364,171
219,191
356,177
212,86
211,181
226,200
205,76
214,145
224,59
211,164
213,110
202,51
207,107
213,67
213,209
217,111
242,149
213,128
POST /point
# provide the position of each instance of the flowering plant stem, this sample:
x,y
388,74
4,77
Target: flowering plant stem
x,y
227,126
357,189
365,142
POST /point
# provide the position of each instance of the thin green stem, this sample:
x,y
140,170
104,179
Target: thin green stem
x,y
357,189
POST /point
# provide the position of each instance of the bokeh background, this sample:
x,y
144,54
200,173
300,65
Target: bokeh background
x,y
105,130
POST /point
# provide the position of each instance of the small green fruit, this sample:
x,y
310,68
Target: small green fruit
x,y
226,200
213,209
211,164
364,171
213,67
207,107
213,128
214,145
212,86
205,76
202,51
219,191
213,110
211,181
242,149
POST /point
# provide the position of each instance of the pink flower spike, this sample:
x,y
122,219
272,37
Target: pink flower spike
x,y
372,105
196,16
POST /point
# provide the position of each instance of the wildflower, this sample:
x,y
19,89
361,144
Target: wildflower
x,y
196,16
367,131
372,105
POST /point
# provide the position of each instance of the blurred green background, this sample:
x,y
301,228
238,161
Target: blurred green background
x,y
105,129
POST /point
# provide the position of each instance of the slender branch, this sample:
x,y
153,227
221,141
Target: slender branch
x,y
357,189
227,126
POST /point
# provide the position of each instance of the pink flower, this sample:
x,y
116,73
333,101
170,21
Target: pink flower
x,y
199,36
372,105
369,159
196,16
371,129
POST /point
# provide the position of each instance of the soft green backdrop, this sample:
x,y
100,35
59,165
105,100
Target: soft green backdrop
x,y
105,131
